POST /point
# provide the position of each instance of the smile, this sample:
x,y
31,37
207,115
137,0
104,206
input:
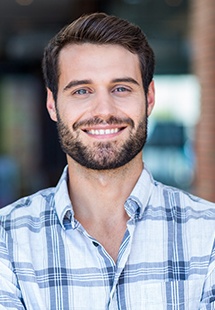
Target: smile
x,y
103,131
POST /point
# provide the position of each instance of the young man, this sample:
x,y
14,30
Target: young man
x,y
108,236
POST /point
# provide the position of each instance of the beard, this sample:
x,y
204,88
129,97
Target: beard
x,y
102,155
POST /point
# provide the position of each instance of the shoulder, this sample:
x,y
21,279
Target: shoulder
x,y
27,207
174,198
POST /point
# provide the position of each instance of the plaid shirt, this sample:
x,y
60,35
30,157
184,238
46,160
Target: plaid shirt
x,y
166,260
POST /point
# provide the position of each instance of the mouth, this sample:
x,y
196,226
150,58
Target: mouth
x,y
104,132
100,129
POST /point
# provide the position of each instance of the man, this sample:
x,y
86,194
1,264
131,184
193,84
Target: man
x,y
108,236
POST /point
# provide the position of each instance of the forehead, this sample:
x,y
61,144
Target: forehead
x,y
95,59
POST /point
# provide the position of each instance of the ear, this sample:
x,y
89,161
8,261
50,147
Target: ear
x,y
151,97
50,105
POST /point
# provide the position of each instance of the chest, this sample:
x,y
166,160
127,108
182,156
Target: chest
x,y
75,271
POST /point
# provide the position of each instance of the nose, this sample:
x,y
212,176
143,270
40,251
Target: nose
x,y
103,104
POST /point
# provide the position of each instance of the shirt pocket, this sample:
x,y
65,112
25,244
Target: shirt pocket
x,y
170,295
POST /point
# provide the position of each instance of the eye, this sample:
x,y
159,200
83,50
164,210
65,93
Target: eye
x,y
121,89
81,91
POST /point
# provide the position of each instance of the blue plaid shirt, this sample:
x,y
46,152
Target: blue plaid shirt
x,y
166,260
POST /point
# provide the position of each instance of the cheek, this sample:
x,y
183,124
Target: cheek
x,y
140,118
73,113
68,115
135,110
140,114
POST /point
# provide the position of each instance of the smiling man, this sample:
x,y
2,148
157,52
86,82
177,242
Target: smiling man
x,y
103,105
107,236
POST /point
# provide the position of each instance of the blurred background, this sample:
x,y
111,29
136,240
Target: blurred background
x,y
181,144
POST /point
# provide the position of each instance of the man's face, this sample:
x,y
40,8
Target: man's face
x,y
101,108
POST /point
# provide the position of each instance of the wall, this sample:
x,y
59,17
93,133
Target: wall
x,y
203,39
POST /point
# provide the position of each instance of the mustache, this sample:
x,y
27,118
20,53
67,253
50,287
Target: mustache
x,y
112,120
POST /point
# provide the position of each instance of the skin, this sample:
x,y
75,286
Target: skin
x,y
101,81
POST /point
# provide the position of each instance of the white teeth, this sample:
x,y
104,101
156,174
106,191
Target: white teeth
x,y
103,131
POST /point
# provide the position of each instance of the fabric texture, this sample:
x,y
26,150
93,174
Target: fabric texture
x,y
166,260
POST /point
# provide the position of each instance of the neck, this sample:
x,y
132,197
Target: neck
x,y
96,194
98,199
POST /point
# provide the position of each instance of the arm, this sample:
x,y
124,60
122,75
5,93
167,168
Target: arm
x,y
10,295
208,294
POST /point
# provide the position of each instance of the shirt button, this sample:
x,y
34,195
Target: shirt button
x,y
95,244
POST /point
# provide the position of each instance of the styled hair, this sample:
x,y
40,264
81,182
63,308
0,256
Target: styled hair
x,y
98,28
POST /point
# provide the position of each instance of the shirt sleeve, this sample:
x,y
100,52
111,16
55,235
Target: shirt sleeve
x,y
208,294
10,294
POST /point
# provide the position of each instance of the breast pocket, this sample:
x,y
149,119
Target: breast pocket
x,y
171,295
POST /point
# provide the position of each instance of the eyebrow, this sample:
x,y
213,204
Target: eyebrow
x,y
76,83
85,82
126,79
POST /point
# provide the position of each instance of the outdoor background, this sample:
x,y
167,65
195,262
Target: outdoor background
x,y
181,144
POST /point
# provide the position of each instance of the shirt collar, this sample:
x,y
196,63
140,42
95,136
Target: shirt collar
x,y
63,206
135,204
138,200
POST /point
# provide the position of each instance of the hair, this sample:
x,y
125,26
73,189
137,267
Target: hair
x,y
98,28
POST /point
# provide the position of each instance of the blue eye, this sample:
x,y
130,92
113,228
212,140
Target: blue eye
x,y
81,91
121,89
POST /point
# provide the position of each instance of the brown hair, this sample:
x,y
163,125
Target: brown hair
x,y
98,28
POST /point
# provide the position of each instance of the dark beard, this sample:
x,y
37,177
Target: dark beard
x,y
103,155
